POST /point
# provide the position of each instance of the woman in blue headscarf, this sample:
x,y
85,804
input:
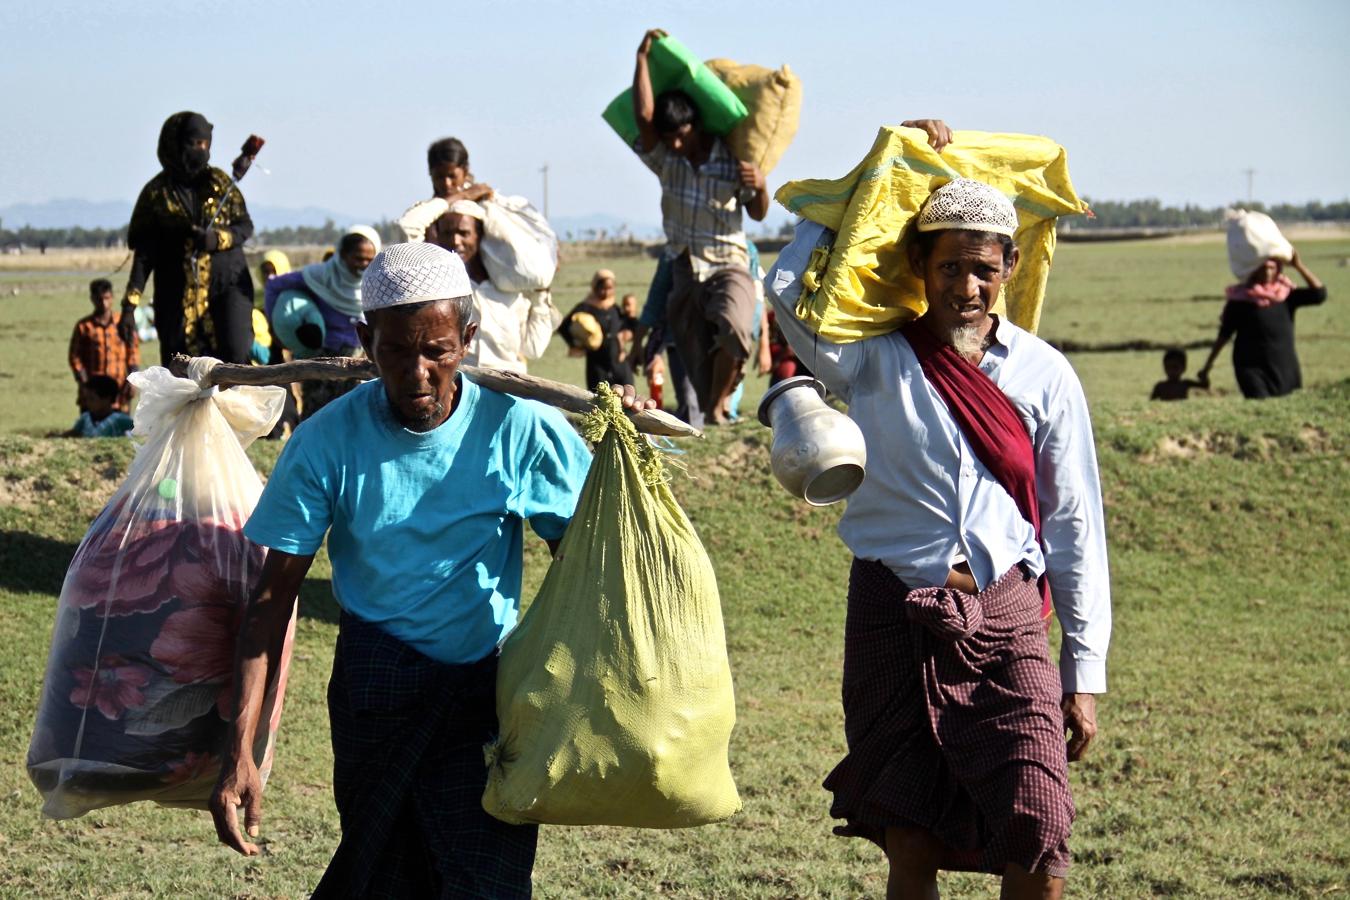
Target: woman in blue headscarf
x,y
314,311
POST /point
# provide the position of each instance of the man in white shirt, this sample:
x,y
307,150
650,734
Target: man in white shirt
x,y
512,327
981,504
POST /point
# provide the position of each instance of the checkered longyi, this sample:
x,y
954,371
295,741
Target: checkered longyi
x,y
953,721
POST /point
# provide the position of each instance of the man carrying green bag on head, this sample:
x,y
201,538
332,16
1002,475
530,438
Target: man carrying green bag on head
x,y
673,66
704,192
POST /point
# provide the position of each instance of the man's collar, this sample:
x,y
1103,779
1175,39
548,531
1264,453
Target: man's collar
x,y
994,335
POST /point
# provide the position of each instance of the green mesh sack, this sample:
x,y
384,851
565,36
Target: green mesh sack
x,y
672,65
614,693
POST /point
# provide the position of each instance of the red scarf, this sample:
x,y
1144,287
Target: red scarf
x,y
1262,295
989,421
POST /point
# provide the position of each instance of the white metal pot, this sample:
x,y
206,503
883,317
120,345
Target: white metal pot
x,y
819,453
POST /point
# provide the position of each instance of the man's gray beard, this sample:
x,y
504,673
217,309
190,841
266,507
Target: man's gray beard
x,y
967,340
421,424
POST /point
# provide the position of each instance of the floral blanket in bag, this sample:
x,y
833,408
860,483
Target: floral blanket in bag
x,y
138,694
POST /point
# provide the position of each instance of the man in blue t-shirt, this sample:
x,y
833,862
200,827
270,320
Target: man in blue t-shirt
x,y
422,481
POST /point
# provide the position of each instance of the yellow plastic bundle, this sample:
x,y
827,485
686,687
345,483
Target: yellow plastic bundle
x,y
863,286
774,100
614,693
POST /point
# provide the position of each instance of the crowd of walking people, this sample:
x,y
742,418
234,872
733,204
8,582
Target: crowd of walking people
x,y
980,517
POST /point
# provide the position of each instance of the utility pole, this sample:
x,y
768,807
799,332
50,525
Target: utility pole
x,y
1249,173
544,172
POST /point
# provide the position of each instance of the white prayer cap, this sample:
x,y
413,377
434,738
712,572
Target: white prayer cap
x,y
469,208
970,205
413,273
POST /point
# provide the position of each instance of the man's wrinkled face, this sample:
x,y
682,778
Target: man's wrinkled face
x,y
360,258
962,275
447,178
418,352
463,236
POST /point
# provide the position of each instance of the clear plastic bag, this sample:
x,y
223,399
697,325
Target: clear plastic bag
x,y
138,691
519,248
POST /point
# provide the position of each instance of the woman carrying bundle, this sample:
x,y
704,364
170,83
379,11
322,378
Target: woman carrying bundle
x,y
1260,314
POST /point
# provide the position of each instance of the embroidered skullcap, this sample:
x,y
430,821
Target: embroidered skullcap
x,y
969,205
468,208
412,273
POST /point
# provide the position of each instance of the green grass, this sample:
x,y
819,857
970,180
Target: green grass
x,y
1224,759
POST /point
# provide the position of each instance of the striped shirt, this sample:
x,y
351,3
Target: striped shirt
x,y
701,208
97,349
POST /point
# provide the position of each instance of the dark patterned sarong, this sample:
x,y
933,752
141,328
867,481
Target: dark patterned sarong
x,y
408,776
953,721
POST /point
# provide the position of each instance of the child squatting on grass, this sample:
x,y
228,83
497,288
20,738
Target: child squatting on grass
x,y
98,396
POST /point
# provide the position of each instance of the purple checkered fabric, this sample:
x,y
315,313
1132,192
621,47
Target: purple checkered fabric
x,y
408,777
952,716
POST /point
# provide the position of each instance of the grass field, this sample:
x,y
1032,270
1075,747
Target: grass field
x,y
1223,766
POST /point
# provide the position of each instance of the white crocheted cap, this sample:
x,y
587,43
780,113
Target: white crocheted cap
x,y
413,273
969,205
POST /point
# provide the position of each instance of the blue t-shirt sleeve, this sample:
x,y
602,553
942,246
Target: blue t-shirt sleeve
x,y
296,507
551,484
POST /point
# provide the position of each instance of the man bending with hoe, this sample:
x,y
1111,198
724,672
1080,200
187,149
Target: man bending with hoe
x,y
981,505
423,482
704,190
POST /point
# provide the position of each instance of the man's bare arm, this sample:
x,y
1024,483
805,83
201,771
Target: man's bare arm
x,y
757,207
261,637
644,101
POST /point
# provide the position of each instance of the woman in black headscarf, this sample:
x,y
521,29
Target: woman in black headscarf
x,y
188,228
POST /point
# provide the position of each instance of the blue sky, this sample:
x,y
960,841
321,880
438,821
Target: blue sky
x,y
1168,100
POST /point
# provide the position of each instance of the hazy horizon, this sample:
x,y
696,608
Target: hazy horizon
x,y
1165,101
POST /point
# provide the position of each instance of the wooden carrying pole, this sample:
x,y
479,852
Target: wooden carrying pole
x,y
567,397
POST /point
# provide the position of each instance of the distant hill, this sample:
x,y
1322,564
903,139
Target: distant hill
x,y
71,212
67,213
588,227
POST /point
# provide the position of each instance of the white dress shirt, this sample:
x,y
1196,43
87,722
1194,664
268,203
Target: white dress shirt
x,y
928,500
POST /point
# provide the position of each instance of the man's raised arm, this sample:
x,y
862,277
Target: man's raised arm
x,y
644,101
261,636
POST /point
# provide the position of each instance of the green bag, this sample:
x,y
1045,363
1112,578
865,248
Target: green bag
x,y
671,65
614,693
